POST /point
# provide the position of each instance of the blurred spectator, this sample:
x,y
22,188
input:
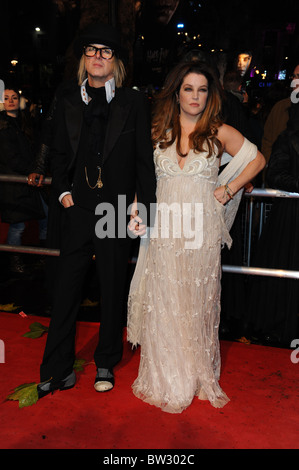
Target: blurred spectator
x,y
41,165
243,62
233,83
255,113
273,303
277,119
18,202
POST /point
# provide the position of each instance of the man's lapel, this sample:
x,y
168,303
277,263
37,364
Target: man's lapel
x,y
118,113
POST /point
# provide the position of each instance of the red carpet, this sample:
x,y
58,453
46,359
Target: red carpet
x,y
261,382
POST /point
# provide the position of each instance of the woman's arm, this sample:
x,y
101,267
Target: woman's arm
x,y
232,141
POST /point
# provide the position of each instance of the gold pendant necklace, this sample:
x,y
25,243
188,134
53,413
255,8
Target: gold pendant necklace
x,y
99,183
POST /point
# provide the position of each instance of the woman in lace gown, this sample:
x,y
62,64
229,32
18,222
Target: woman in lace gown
x,y
174,300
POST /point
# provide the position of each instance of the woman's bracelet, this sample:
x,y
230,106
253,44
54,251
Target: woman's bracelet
x,y
228,191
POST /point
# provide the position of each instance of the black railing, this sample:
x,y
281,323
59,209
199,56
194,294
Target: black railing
x,y
263,193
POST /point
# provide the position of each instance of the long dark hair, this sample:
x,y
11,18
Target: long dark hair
x,y
24,118
166,111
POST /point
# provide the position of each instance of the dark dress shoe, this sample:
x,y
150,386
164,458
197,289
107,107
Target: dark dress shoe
x,y
104,380
50,387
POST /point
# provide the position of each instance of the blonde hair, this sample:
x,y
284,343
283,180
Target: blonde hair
x,y
119,71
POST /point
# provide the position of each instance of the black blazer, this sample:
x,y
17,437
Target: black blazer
x,y
128,166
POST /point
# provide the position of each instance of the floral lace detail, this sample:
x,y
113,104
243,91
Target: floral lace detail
x,y
196,164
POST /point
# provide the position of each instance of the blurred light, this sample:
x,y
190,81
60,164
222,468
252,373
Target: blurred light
x,y
14,62
291,28
282,75
180,25
37,29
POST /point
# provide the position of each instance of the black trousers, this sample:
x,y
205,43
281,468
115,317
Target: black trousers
x,y
79,244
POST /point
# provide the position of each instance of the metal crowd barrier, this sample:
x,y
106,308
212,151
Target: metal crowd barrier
x,y
258,192
20,179
264,193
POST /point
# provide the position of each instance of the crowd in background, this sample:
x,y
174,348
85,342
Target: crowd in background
x,y
269,120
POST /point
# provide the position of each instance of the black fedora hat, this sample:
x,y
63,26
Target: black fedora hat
x,y
98,33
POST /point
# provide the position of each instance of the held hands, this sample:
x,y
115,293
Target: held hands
x,y
135,225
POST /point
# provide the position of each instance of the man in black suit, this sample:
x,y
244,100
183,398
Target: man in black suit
x,y
101,157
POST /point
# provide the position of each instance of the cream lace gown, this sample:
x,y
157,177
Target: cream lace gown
x,y
174,300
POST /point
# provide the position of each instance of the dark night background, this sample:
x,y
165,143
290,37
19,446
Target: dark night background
x,y
44,58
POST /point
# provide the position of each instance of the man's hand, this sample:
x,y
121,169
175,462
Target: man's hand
x,y
35,179
67,201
